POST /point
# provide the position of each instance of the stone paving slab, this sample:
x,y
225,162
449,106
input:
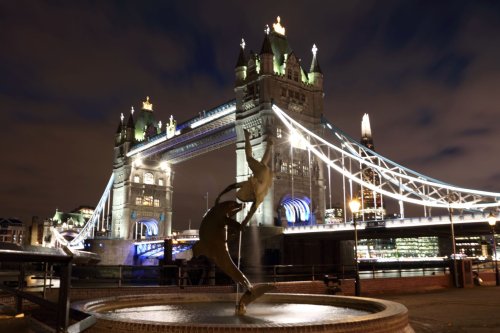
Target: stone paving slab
x,y
469,310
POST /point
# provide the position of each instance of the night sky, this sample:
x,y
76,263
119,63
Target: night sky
x,y
427,73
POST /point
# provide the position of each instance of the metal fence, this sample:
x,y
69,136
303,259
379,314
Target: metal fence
x,y
182,275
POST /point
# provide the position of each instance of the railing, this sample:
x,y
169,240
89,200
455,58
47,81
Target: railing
x,y
59,313
279,273
119,276
183,275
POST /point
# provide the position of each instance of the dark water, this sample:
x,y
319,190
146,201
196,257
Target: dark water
x,y
224,313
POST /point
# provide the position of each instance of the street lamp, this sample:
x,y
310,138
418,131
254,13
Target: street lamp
x,y
354,205
492,221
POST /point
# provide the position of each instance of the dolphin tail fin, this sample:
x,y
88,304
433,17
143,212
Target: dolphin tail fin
x,y
251,295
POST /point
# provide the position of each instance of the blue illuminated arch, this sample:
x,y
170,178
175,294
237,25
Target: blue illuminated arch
x,y
151,227
297,210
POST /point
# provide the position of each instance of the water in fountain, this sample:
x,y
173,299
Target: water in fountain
x,y
223,313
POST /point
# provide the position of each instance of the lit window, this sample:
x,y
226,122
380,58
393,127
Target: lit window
x,y
137,179
148,200
149,178
157,202
279,134
160,182
284,167
138,201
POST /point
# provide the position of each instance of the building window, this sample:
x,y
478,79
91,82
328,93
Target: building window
x,y
284,167
157,202
138,201
305,170
147,200
296,76
279,133
160,182
283,92
149,178
137,179
289,74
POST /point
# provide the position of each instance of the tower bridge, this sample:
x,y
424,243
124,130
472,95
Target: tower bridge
x,y
275,99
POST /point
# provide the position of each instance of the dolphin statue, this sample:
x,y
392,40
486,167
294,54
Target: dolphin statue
x,y
213,245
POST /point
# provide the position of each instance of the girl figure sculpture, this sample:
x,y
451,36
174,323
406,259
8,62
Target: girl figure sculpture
x,y
255,188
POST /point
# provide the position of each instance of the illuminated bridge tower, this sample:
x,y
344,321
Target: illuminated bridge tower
x,y
275,75
142,189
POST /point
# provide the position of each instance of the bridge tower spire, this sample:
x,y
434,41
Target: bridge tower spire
x,y
276,76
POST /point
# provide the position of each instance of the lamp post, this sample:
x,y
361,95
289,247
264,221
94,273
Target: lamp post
x,y
492,221
453,244
354,205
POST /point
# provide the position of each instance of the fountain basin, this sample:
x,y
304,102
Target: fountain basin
x,y
338,314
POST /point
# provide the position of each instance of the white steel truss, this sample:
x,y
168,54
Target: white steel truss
x,y
396,181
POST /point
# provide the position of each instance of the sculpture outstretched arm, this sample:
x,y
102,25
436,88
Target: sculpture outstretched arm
x,y
227,189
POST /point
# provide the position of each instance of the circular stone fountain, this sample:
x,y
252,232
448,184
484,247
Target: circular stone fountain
x,y
191,312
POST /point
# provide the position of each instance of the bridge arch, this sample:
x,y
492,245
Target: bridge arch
x,y
295,210
145,228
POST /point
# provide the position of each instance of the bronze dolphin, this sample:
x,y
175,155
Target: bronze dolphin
x,y
212,243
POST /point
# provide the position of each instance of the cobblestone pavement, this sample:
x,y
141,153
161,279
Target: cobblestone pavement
x,y
470,310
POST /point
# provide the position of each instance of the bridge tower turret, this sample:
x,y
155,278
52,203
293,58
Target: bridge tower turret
x,y
142,189
276,76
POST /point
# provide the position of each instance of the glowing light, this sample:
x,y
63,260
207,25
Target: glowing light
x,y
314,50
132,110
278,28
266,29
354,205
297,141
122,117
242,44
492,219
137,162
165,166
146,146
218,115
146,105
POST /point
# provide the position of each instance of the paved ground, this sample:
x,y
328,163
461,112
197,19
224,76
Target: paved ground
x,y
471,310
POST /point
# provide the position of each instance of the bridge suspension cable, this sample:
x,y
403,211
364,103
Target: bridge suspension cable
x,y
396,181
92,223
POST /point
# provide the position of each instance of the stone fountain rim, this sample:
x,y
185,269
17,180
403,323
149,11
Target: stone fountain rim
x,y
382,310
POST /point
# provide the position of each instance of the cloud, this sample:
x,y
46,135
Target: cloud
x,y
427,73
